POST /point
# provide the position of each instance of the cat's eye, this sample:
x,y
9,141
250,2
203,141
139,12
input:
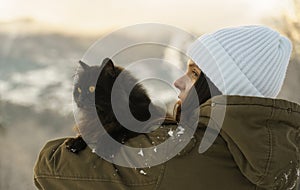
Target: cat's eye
x,y
91,88
79,90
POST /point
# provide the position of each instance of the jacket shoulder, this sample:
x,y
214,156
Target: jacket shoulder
x,y
46,154
58,168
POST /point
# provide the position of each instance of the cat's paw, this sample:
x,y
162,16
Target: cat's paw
x,y
75,145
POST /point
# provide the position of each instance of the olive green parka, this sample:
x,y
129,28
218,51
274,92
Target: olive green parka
x,y
256,149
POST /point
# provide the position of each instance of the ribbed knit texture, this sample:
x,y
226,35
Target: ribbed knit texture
x,y
247,60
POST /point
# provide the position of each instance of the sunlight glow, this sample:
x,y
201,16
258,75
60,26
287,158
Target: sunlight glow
x,y
92,15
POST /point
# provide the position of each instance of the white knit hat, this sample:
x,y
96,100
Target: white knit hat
x,y
248,60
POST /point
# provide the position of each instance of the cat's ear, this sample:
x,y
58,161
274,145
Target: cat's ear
x,y
108,66
83,65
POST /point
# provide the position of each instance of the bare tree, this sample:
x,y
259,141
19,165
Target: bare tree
x,y
289,25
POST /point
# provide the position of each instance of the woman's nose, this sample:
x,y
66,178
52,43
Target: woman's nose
x,y
179,83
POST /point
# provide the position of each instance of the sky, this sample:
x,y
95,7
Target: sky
x,y
94,15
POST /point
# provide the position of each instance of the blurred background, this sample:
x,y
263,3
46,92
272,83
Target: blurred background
x,y
42,41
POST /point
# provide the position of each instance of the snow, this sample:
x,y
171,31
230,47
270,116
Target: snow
x,y
33,83
143,172
293,186
170,133
181,130
141,152
73,149
286,176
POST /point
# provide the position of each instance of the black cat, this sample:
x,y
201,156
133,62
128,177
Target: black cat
x,y
87,96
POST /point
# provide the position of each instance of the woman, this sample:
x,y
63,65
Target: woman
x,y
258,144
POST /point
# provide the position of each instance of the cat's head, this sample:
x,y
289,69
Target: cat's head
x,y
89,78
93,88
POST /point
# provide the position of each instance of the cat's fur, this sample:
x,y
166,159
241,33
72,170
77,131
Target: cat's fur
x,y
138,101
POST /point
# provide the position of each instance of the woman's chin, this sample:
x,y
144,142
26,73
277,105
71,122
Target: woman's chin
x,y
179,100
181,97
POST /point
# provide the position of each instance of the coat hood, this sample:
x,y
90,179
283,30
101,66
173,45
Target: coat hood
x,y
263,136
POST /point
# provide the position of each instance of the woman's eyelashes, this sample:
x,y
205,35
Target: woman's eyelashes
x,y
194,74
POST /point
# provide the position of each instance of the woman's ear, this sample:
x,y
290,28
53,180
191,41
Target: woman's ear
x,y
83,65
108,67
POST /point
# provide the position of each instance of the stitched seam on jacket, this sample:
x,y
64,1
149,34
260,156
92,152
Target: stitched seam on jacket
x,y
218,103
160,177
270,153
52,157
94,179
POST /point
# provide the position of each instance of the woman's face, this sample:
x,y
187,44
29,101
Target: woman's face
x,y
185,82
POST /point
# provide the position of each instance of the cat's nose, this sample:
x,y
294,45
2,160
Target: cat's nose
x,y
85,104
